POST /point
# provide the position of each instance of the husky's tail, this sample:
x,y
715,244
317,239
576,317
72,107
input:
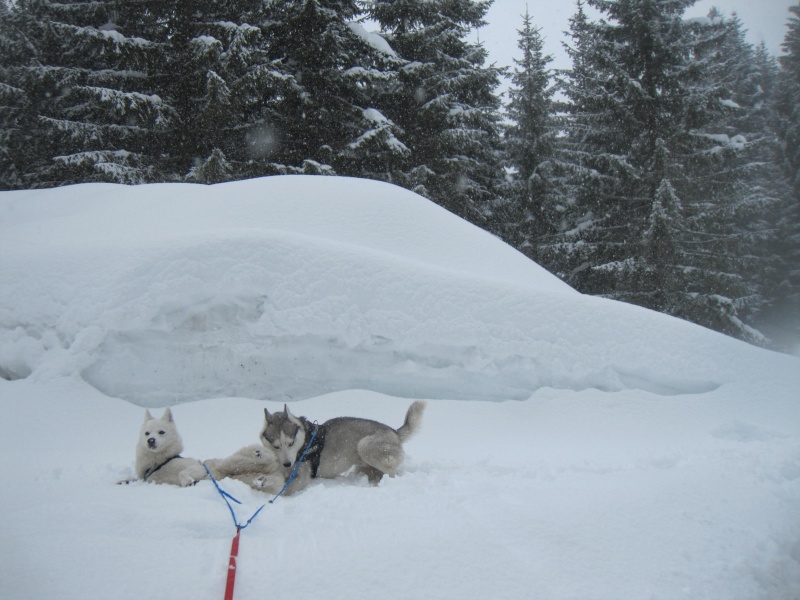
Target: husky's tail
x,y
413,420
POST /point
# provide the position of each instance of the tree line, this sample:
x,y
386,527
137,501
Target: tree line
x,y
661,169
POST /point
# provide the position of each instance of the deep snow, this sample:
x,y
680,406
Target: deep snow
x,y
573,448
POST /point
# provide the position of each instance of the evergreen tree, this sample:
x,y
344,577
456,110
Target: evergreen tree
x,y
784,317
144,90
789,96
730,208
335,119
229,96
532,202
584,126
104,110
88,110
662,238
444,103
15,51
757,203
215,169
651,174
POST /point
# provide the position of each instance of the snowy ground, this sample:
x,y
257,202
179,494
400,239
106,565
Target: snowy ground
x,y
573,448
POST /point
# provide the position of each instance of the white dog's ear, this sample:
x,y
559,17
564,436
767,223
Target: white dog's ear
x,y
167,416
147,416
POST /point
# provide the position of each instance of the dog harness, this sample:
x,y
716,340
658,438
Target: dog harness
x,y
313,452
152,470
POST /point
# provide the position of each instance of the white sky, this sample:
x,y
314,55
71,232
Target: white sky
x,y
764,19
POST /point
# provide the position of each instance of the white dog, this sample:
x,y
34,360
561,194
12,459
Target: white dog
x,y
158,454
158,460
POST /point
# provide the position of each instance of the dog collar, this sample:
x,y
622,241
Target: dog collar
x,y
152,470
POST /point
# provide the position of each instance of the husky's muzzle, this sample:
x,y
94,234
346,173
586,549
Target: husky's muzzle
x,y
151,443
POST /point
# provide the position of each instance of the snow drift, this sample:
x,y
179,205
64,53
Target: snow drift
x,y
289,287
641,457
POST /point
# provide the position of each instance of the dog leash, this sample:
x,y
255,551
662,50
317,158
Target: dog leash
x,y
226,496
231,579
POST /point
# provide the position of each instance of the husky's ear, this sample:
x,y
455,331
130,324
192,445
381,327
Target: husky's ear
x,y
288,414
167,416
266,414
147,416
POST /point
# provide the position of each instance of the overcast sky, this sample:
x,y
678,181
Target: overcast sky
x,y
764,20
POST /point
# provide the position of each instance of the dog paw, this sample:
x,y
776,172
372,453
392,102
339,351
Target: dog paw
x,y
263,481
267,483
192,475
187,478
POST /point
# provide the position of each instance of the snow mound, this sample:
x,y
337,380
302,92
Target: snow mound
x,y
291,287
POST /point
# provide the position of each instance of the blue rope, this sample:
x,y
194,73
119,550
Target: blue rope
x,y
225,495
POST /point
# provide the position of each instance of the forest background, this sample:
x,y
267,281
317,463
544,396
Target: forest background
x,y
661,168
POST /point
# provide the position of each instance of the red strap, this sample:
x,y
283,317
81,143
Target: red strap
x,y
232,566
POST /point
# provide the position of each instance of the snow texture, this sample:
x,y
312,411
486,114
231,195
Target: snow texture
x,y
376,40
606,451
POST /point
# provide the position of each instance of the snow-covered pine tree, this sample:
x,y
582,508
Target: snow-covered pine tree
x,y
532,206
189,73
15,120
789,95
662,238
645,96
86,85
229,96
584,128
784,320
739,225
23,151
753,206
379,150
445,103
336,119
215,169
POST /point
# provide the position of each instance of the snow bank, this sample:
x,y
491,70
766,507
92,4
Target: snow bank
x,y
291,287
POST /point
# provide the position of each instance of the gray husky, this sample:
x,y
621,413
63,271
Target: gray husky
x,y
338,445
158,453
